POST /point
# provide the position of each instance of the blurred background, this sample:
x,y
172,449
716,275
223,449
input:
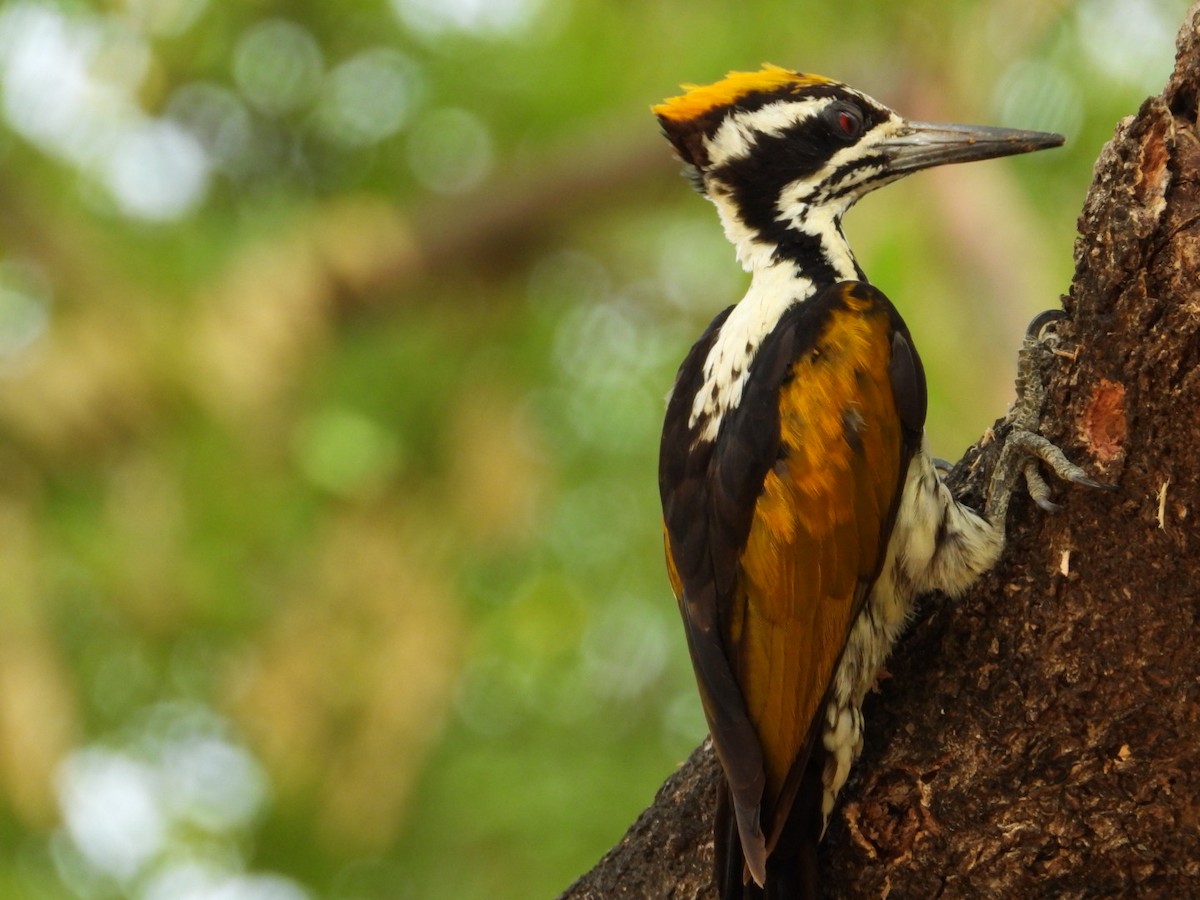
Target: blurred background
x,y
334,341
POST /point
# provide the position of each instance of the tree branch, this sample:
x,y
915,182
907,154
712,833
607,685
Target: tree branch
x,y
1041,736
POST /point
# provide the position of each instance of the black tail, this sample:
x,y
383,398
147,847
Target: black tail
x,y
792,864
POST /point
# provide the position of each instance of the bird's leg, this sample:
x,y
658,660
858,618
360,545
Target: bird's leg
x,y
1023,445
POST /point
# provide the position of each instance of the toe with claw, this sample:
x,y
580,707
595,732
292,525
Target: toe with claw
x,y
1024,447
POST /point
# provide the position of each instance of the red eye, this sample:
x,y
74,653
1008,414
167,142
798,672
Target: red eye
x,y
845,120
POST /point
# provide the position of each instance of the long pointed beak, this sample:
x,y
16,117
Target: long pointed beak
x,y
925,144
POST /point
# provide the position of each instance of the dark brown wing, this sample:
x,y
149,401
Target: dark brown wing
x,y
776,530
702,559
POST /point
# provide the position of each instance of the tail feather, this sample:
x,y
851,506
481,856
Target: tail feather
x,y
733,881
792,868
792,863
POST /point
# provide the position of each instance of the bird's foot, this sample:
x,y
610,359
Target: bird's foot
x,y
1023,446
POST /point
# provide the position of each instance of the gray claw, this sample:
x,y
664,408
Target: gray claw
x,y
942,466
1092,482
1037,487
1039,322
1048,506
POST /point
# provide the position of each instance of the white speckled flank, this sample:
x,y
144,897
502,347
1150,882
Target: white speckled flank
x,y
938,544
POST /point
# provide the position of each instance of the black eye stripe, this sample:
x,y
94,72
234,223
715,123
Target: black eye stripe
x,y
707,125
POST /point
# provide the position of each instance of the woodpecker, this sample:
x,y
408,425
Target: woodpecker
x,y
802,513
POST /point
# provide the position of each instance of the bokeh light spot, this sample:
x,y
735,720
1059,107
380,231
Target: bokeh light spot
x,y
212,783
158,171
483,18
369,97
1127,39
112,811
344,451
68,82
165,17
217,118
198,881
278,66
450,151
161,813
625,649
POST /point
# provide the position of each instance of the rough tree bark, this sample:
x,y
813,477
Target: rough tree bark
x,y
1041,736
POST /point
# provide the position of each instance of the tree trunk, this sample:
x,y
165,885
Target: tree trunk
x,y
1040,737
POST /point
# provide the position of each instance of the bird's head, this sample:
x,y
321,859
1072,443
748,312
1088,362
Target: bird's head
x,y
782,150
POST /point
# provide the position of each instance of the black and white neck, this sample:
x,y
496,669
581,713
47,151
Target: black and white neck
x,y
783,273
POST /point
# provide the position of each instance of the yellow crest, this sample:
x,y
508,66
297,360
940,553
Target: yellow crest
x,y
701,99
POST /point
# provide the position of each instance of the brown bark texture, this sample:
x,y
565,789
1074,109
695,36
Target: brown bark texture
x,y
1040,737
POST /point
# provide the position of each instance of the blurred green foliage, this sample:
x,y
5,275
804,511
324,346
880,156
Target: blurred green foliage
x,y
333,347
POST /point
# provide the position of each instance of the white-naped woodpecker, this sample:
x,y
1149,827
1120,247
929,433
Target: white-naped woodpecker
x,y
802,513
